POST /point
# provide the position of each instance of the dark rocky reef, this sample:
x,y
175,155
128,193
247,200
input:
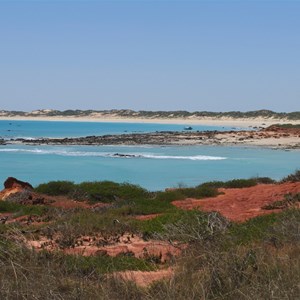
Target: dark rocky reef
x,y
153,138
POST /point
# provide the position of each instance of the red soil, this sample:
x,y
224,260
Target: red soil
x,y
66,203
242,204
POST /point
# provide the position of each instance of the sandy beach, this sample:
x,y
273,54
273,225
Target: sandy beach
x,y
223,121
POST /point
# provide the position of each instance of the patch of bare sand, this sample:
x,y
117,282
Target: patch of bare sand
x,y
143,278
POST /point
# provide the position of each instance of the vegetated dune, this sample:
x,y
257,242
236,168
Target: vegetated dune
x,y
124,243
241,204
236,204
127,113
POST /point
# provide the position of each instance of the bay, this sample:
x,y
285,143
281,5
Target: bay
x,y
152,167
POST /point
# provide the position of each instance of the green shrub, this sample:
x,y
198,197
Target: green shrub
x,y
101,191
197,192
238,183
108,191
213,184
55,188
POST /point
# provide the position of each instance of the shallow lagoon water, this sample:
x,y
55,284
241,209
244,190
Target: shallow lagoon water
x,y
152,167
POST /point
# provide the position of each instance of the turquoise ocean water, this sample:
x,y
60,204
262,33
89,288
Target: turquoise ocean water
x,y
152,167
33,129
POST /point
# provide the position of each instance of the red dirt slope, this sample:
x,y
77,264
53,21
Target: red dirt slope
x,y
242,204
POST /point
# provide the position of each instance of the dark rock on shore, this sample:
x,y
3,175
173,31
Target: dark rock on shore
x,y
12,182
19,191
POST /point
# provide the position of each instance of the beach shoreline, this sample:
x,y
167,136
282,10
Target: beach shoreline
x,y
223,121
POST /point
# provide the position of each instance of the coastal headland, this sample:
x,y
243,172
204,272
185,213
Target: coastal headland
x,y
122,233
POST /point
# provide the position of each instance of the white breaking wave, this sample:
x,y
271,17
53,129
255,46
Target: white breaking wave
x,y
195,157
113,155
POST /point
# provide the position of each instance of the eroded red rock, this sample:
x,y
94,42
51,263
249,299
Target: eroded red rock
x,y
16,190
125,244
12,182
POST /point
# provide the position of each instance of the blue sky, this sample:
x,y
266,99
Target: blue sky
x,y
150,55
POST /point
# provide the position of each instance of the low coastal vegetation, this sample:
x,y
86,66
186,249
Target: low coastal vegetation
x,y
108,191
93,191
238,183
219,259
154,114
